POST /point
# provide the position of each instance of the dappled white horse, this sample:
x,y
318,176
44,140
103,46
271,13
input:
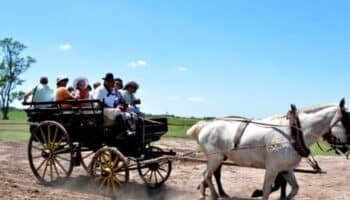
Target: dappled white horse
x,y
266,147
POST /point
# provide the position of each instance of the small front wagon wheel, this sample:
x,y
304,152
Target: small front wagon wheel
x,y
50,152
110,169
156,173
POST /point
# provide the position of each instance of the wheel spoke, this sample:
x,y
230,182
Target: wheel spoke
x,y
60,151
102,183
41,164
60,165
43,135
117,169
160,174
88,155
150,177
44,173
113,186
117,181
148,170
59,141
51,171
36,137
56,170
155,176
36,148
115,162
54,136
163,169
36,157
62,158
49,137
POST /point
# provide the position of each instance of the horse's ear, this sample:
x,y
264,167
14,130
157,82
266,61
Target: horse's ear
x,y
293,108
342,103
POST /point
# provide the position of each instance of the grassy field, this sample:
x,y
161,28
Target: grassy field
x,y
16,129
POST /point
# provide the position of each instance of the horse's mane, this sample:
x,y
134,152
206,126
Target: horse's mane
x,y
306,110
315,108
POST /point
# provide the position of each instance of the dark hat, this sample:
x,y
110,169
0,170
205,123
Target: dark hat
x,y
133,84
108,76
44,80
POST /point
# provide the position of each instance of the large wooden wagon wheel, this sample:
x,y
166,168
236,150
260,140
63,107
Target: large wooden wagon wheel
x,y
156,173
50,152
110,169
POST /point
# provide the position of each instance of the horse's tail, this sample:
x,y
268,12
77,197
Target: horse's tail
x,y
194,131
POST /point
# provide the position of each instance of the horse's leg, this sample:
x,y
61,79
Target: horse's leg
x,y
290,177
217,175
270,176
214,162
283,184
279,183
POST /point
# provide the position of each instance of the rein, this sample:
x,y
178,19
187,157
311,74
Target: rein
x,y
246,120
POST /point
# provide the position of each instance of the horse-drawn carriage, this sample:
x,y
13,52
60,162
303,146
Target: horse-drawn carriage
x,y
64,138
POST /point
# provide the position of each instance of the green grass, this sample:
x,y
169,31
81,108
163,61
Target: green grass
x,y
16,116
16,129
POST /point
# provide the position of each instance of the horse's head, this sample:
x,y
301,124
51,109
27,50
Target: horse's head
x,y
339,134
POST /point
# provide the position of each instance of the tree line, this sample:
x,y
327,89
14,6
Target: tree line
x,y
12,65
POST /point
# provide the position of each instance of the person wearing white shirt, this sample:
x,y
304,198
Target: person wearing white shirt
x,y
106,94
40,93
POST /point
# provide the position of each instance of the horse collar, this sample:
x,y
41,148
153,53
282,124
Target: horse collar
x,y
297,133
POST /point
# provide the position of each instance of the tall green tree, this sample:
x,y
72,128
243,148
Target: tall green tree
x,y
13,64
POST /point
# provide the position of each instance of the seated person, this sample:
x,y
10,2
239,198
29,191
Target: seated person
x,y
106,94
62,93
81,90
129,96
40,93
118,85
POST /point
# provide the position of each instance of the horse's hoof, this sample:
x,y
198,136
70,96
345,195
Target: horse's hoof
x,y
257,193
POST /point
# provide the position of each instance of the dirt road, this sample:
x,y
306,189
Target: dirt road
x,y
17,181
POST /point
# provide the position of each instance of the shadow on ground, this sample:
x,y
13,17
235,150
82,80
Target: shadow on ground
x,y
132,190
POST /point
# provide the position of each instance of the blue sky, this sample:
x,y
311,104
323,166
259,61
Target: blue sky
x,y
193,58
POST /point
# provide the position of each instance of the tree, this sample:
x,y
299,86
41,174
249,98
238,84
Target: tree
x,y
11,67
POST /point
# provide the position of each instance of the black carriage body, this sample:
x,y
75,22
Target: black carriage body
x,y
85,126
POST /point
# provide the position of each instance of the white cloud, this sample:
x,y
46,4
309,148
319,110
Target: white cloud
x,y
182,69
197,100
173,98
64,47
137,63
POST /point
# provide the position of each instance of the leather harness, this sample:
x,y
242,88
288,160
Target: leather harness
x,y
239,132
295,128
297,133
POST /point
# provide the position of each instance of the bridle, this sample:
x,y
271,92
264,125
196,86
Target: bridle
x,y
335,143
